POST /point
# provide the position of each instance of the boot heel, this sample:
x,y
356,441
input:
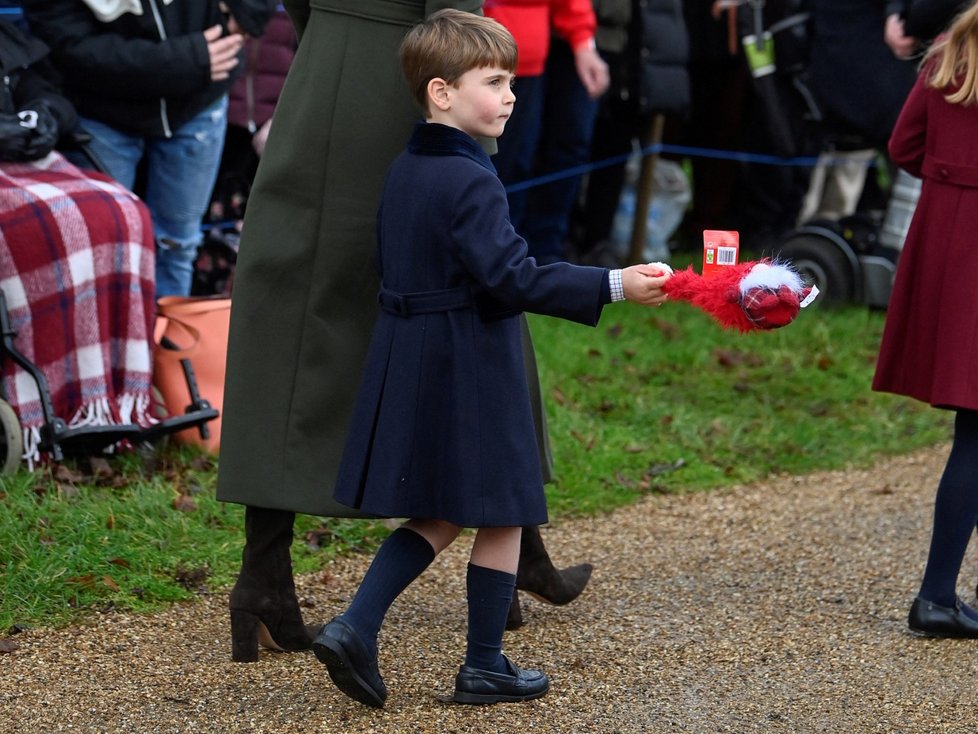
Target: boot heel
x,y
244,636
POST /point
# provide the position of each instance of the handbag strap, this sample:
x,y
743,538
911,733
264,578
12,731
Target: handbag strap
x,y
166,347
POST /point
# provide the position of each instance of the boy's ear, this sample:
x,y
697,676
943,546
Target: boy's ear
x,y
438,93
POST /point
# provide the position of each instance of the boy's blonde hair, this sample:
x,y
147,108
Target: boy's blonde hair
x,y
449,43
955,59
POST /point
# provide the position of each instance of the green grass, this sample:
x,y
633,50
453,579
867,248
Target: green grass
x,y
653,400
665,401
136,536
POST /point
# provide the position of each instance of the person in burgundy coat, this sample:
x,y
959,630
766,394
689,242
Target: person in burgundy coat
x,y
930,342
442,430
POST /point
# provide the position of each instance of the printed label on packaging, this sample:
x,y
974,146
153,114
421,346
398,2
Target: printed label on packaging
x,y
721,247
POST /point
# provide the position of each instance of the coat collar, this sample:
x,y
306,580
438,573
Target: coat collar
x,y
432,138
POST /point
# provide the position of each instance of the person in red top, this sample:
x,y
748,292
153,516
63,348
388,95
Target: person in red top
x,y
550,129
929,350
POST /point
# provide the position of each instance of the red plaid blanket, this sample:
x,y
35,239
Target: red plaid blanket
x,y
77,271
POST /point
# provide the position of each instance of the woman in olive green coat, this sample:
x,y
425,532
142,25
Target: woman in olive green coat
x,y
305,301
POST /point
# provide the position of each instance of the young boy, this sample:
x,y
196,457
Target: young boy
x,y
442,432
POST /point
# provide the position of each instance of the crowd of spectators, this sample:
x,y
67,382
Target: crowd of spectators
x,y
175,100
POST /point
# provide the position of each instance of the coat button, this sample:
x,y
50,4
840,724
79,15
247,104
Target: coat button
x,y
944,173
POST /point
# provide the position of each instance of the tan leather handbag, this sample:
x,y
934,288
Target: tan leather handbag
x,y
193,328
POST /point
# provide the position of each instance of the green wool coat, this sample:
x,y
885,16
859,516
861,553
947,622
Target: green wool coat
x,y
305,290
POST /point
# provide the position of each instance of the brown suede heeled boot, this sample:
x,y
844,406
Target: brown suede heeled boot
x,y
263,604
537,576
514,620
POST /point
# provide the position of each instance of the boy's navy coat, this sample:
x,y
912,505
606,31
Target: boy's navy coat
x,y
442,427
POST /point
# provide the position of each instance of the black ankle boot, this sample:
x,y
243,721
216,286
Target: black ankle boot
x,y
263,604
537,576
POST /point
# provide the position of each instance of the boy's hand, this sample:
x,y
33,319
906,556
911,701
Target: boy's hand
x,y
643,283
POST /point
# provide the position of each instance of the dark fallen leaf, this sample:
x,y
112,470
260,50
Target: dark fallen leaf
x,y
666,420
669,330
7,645
307,602
121,562
184,503
558,396
885,489
202,463
587,443
192,579
318,537
728,357
606,406
592,352
110,522
825,363
614,331
630,353
624,481
86,582
64,473
109,583
118,481
100,467
16,629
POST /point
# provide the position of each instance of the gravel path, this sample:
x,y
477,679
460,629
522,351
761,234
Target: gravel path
x,y
776,607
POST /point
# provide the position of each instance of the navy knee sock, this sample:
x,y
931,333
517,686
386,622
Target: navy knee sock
x,y
399,561
955,513
490,593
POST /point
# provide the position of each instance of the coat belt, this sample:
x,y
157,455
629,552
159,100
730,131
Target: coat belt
x,y
413,304
947,172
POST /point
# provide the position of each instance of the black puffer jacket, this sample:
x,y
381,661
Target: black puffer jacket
x,y
663,57
647,42
144,73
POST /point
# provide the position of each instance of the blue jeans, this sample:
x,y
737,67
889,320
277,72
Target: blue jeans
x,y
564,144
180,175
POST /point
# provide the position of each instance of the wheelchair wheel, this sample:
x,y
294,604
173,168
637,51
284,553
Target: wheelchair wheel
x,y
11,439
821,263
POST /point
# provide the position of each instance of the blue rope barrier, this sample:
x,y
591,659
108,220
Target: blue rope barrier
x,y
684,150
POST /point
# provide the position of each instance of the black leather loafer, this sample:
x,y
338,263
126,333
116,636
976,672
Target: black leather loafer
x,y
349,664
485,686
933,620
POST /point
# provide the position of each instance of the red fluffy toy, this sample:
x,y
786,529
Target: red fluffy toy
x,y
753,295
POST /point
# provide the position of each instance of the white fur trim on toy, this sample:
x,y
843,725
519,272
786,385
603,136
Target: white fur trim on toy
x,y
771,276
